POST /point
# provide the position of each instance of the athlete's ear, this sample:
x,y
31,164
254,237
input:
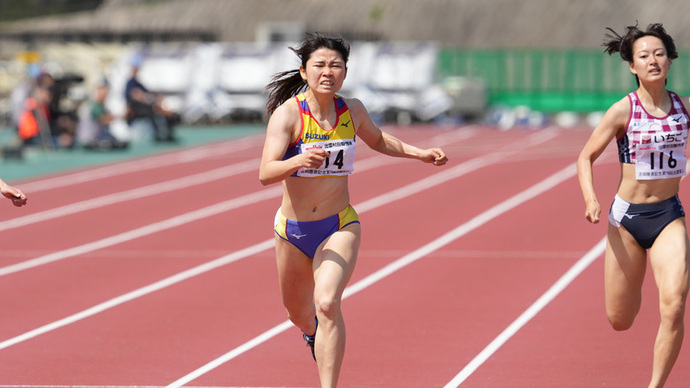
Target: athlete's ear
x,y
303,73
632,67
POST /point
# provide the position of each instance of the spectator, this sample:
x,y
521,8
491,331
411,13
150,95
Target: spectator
x,y
35,121
94,127
23,91
41,121
145,112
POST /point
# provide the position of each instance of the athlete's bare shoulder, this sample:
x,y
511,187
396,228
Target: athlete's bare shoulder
x,y
286,116
686,102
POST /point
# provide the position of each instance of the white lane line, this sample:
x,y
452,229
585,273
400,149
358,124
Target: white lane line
x,y
402,262
369,163
159,226
410,188
132,194
584,262
138,165
252,250
530,313
275,191
162,187
187,155
175,221
146,230
166,224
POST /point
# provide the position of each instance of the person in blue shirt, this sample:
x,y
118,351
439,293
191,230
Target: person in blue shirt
x,y
144,108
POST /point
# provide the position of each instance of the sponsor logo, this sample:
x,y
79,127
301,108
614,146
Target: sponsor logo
x,y
316,136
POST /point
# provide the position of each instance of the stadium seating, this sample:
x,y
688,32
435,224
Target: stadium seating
x,y
220,82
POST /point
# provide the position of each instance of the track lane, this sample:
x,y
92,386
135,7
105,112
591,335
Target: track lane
x,y
286,356
376,365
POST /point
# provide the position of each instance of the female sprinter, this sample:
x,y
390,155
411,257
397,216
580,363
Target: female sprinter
x,y
310,148
650,126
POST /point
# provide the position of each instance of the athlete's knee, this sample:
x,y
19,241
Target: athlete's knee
x,y
620,325
327,306
672,310
621,321
299,315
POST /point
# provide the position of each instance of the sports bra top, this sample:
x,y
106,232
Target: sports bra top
x,y
338,141
656,145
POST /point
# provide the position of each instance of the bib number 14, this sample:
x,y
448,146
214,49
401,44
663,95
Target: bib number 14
x,y
338,161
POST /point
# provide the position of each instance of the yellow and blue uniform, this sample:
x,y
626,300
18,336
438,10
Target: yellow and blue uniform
x,y
308,235
339,142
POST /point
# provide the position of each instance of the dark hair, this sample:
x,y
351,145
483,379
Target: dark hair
x,y
287,84
624,44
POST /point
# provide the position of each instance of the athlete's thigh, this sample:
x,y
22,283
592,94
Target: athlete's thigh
x,y
669,259
295,275
335,260
625,264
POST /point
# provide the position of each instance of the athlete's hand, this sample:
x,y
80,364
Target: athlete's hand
x,y
436,156
313,157
17,196
592,212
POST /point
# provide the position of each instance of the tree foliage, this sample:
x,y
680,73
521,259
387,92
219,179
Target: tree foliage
x,y
11,10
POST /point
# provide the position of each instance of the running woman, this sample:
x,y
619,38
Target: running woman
x,y
310,148
650,127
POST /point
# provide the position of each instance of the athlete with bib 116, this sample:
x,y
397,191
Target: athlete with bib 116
x,y
650,126
310,148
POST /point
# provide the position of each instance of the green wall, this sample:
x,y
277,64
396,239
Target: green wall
x,y
552,80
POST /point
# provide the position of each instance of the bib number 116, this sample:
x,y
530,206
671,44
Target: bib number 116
x,y
671,162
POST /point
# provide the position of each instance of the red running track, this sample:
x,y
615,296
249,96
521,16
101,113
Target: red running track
x,y
160,272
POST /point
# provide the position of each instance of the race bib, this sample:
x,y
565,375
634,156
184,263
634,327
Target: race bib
x,y
340,159
661,155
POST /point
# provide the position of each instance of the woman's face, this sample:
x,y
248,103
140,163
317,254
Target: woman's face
x,y
325,71
650,60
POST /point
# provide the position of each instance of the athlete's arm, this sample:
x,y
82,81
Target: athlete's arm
x,y
386,143
282,127
611,126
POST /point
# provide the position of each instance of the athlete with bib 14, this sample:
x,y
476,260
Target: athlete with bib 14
x,y
650,126
310,148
